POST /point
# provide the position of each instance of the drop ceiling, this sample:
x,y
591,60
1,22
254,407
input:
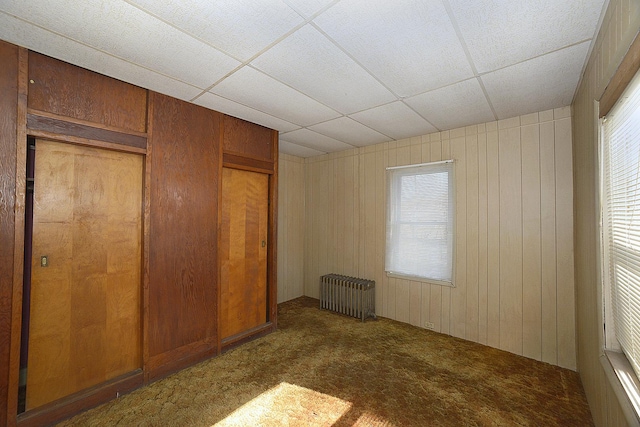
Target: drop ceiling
x,y
330,75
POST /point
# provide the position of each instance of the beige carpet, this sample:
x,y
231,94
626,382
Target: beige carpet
x,y
323,369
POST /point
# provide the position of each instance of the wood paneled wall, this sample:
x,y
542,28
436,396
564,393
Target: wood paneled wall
x,y
290,227
183,258
65,90
619,27
8,146
514,237
183,144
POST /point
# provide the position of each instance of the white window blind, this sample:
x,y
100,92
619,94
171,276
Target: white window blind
x,y
420,222
621,217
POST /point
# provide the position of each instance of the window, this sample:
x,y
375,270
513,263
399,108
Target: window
x,y
621,221
420,222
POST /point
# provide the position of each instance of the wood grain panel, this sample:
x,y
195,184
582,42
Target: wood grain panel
x,y
510,241
472,239
436,297
493,240
446,290
85,306
549,348
57,126
531,243
564,245
66,90
483,251
8,148
291,219
248,139
183,262
81,401
243,251
458,316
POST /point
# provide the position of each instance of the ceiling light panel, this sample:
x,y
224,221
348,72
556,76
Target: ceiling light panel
x,y
460,104
395,120
348,130
324,72
234,109
141,40
257,90
500,33
46,42
311,139
297,150
545,82
241,28
410,46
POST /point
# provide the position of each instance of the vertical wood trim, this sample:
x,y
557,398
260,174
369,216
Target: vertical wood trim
x,y
390,296
472,239
564,238
283,280
380,203
18,254
446,290
510,241
272,252
483,263
549,348
146,237
218,328
458,318
493,240
531,249
434,153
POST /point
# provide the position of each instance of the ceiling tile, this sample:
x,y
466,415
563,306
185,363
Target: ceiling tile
x,y
141,40
311,139
48,43
410,46
451,107
324,72
545,82
255,89
241,28
349,131
308,7
234,109
395,120
499,33
297,150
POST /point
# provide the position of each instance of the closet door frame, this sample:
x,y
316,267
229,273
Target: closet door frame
x,y
243,161
84,399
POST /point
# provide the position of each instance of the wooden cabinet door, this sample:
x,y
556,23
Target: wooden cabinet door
x,y
243,251
86,294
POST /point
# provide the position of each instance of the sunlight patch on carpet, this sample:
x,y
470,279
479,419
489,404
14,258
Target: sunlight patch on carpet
x,y
371,420
288,404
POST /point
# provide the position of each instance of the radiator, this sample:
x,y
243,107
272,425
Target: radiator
x,y
348,295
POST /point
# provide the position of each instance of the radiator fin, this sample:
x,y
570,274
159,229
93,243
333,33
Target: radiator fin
x,y
347,295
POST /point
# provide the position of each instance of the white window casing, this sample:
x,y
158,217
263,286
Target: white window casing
x,y
420,222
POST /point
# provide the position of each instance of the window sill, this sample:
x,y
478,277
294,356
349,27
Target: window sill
x,y
625,384
419,279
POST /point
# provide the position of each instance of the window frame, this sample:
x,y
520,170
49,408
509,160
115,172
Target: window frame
x,y
389,208
616,364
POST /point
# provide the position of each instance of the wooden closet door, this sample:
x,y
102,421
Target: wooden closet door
x,y
85,302
243,251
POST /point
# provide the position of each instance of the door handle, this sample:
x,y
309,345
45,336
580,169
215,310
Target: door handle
x,y
264,243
